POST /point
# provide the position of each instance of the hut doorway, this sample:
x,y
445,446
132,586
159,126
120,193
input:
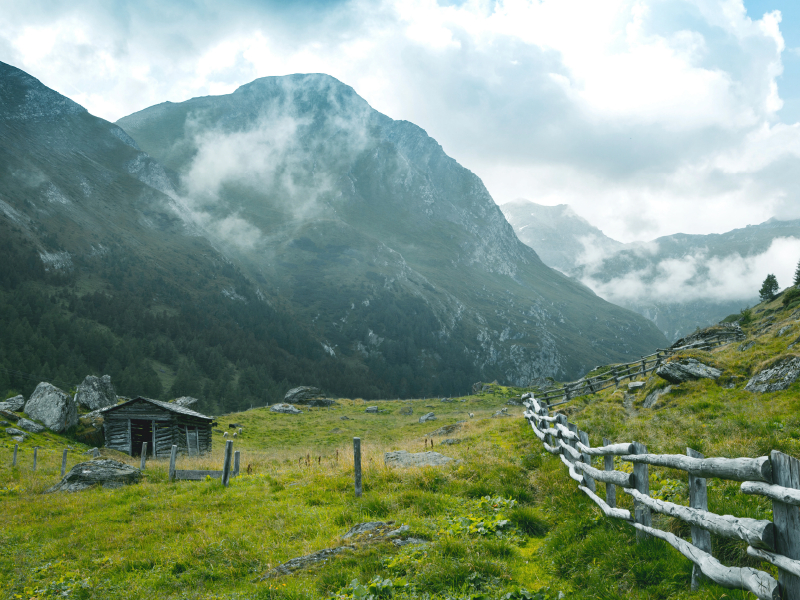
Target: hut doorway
x,y
141,432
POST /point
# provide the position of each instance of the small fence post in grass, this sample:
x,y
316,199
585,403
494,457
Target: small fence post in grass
x,y
786,473
698,498
64,462
14,460
226,466
586,458
35,450
611,489
172,462
357,465
642,475
144,456
236,464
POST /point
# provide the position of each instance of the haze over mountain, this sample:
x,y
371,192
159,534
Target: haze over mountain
x,y
678,281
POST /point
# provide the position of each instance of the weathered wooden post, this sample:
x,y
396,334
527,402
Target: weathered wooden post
x,y
35,450
644,367
64,462
786,473
172,462
698,498
14,460
608,465
226,466
642,474
144,456
586,458
236,464
357,465
616,377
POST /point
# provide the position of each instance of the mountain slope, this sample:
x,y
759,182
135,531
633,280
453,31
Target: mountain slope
x,y
391,249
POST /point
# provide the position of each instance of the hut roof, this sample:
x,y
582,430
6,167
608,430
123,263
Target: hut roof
x,y
176,408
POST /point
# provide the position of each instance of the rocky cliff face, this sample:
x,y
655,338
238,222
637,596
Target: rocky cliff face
x,y
391,250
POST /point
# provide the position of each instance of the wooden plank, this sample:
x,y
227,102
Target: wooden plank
x,y
194,475
735,469
143,462
226,465
551,449
613,449
642,481
565,433
172,457
609,511
35,452
613,477
538,433
64,462
357,465
14,460
698,498
786,473
570,452
786,564
608,465
235,463
756,582
773,492
130,439
587,460
572,472
758,533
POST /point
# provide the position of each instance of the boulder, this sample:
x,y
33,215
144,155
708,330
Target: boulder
x,y
90,429
427,417
286,409
16,433
186,401
301,395
635,386
447,429
345,418
16,403
653,397
9,415
303,562
503,412
53,407
30,426
94,452
371,409
447,400
406,411
686,369
106,472
96,393
779,376
404,459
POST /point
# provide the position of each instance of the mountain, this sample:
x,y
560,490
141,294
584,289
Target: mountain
x,y
392,251
560,237
679,281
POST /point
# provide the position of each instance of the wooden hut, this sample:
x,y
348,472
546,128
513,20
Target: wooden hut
x,y
161,424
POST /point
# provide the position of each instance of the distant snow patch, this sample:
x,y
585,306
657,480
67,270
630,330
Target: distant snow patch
x,y
54,195
56,261
231,293
328,349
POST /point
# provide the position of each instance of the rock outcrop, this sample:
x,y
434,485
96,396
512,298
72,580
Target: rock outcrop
x,y
503,412
686,369
447,429
309,396
286,409
53,407
404,459
96,393
90,429
106,472
16,403
653,397
371,409
778,376
30,426
427,417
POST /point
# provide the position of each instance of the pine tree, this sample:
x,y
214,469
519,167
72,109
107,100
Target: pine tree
x,y
797,274
769,288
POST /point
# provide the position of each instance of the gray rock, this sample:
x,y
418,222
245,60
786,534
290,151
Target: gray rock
x,y
404,459
185,401
371,409
96,393
747,345
779,376
447,429
362,528
302,395
503,412
406,411
653,397
94,453
30,426
794,343
16,403
345,418
303,562
9,415
784,330
635,386
106,472
447,400
13,431
514,402
685,370
451,441
286,409
53,407
412,541
18,438
427,417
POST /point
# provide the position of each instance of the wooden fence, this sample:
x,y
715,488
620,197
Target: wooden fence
x,y
618,373
776,477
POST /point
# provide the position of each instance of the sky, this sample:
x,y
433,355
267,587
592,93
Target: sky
x,y
648,117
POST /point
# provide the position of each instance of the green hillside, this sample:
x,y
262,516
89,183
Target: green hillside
x,y
199,540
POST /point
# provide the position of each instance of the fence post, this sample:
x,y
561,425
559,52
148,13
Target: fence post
x,y
586,458
144,456
608,465
616,378
14,460
642,474
786,473
226,466
236,464
64,462
644,367
172,462
35,450
357,465
698,498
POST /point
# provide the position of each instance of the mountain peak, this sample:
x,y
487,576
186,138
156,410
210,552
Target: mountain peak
x,y
24,97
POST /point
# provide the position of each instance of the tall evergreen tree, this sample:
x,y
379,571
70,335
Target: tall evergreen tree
x,y
797,274
769,288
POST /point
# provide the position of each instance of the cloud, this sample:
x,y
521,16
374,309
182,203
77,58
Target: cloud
x,y
699,276
649,117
